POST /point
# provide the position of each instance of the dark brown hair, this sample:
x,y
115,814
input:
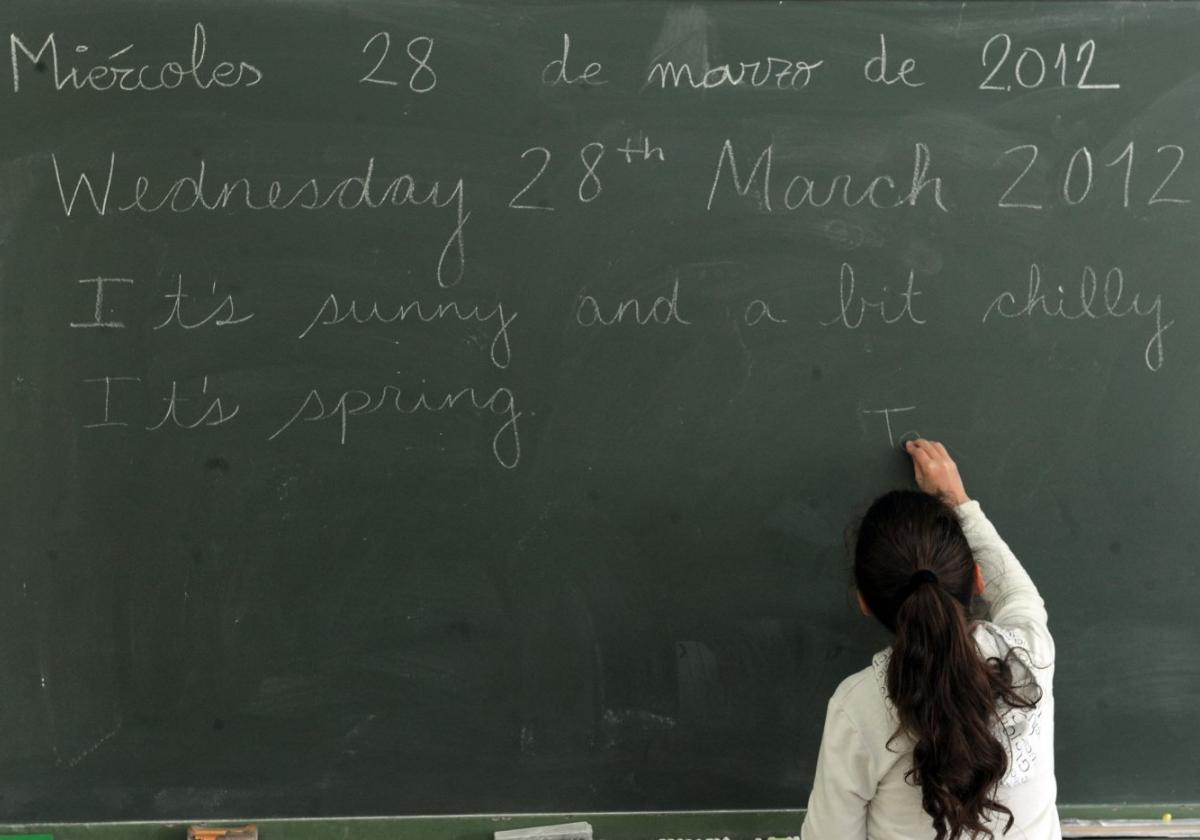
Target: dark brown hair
x,y
946,695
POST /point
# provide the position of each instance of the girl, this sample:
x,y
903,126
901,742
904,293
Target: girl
x,y
949,734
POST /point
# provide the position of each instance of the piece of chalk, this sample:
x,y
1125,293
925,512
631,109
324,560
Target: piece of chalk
x,y
246,832
565,831
1166,817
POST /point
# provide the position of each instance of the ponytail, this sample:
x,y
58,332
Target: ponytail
x,y
915,571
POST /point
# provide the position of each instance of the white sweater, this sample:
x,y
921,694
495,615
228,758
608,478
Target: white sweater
x,y
860,791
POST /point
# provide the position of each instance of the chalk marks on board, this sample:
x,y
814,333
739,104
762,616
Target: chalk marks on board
x,y
223,315
687,68
854,307
107,419
876,68
849,298
357,402
902,305
202,409
906,176
894,437
556,72
1030,68
590,186
589,312
201,193
215,413
757,311
646,151
120,71
770,72
841,190
679,60
1056,303
1138,178
196,404
1089,298
99,319
334,311
178,413
1071,67
422,78
1080,176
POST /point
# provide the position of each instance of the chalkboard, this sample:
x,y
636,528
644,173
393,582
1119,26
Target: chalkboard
x,y
417,408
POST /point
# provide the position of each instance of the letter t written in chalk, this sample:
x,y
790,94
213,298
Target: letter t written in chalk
x,y
887,418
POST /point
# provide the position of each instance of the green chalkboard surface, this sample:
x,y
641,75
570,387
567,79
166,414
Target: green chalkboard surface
x,y
418,408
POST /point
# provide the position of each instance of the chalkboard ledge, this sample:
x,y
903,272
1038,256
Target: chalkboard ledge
x,y
1078,820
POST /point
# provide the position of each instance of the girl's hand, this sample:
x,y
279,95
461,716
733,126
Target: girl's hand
x,y
936,472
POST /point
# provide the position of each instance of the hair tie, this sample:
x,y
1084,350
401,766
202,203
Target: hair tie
x,y
919,577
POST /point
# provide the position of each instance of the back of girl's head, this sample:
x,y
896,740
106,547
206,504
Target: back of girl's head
x,y
903,532
945,694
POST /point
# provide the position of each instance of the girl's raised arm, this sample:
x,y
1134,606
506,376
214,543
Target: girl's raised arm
x,y
1012,599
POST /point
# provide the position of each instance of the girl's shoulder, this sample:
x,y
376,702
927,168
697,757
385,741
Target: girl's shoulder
x,y
863,699
854,691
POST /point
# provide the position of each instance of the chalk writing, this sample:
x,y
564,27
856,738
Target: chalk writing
x,y
224,314
887,419
1080,172
333,312
98,319
1029,69
555,73
214,414
664,310
779,73
590,186
506,442
759,310
802,191
848,297
188,194
1156,197
1053,304
126,76
645,151
108,381
512,202
423,78
876,68
1004,200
